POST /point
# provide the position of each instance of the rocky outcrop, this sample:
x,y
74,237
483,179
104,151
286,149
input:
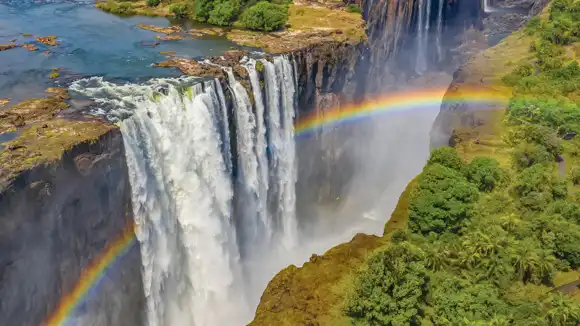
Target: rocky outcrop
x,y
462,120
65,197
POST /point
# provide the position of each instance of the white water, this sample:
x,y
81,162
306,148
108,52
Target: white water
x,y
487,7
179,155
439,30
182,205
421,60
212,228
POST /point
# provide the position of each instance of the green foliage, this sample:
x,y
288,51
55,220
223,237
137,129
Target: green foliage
x,y
456,301
353,8
484,172
442,200
562,115
259,66
526,155
224,12
180,10
265,16
202,9
560,235
446,156
118,8
153,3
488,241
575,175
392,289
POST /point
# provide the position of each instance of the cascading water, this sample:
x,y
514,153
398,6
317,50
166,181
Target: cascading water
x,y
439,30
421,60
205,218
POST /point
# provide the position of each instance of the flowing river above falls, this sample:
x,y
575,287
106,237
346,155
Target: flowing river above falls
x,y
91,43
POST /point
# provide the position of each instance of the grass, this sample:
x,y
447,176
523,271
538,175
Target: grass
x,y
311,18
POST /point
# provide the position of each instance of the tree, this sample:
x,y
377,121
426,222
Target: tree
x,y
224,12
265,16
528,154
442,200
484,172
446,156
457,301
392,290
531,263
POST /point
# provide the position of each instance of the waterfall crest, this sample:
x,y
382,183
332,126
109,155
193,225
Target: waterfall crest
x,y
204,217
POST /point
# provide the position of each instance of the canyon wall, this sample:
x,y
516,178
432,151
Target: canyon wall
x,y
55,219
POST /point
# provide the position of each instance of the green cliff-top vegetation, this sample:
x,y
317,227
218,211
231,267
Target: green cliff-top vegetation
x,y
487,231
276,25
486,243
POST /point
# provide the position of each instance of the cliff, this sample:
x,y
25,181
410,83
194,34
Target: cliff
x,y
64,196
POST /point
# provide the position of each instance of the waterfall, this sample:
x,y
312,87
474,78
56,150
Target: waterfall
x,y
182,205
487,7
206,220
439,30
421,60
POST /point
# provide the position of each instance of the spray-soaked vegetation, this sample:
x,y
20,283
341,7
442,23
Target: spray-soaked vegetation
x,y
485,243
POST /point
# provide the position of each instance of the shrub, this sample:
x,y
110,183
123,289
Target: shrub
x,y
353,8
484,172
202,9
442,201
527,154
179,10
446,156
224,12
153,3
121,8
265,16
575,175
392,290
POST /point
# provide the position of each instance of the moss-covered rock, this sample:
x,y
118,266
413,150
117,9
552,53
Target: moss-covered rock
x,y
42,136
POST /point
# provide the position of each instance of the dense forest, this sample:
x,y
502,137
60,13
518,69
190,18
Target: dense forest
x,y
486,241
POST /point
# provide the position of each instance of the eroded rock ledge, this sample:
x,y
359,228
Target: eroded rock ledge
x,y
64,195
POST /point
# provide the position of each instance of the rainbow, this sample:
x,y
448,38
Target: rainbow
x,y
399,101
91,276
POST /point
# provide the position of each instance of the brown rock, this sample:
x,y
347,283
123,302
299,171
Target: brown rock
x,y
30,47
61,93
157,29
192,67
4,47
4,102
170,37
48,40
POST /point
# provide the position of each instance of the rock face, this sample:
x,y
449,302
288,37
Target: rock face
x,y
330,75
54,220
484,69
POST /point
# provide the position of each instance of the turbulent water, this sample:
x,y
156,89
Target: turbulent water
x,y
205,218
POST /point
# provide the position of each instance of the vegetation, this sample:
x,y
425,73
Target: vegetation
x,y
485,241
118,8
265,16
353,8
153,3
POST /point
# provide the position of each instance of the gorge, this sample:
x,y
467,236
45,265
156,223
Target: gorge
x,y
209,179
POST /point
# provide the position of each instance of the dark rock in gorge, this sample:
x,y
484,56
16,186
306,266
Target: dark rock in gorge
x,y
55,220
